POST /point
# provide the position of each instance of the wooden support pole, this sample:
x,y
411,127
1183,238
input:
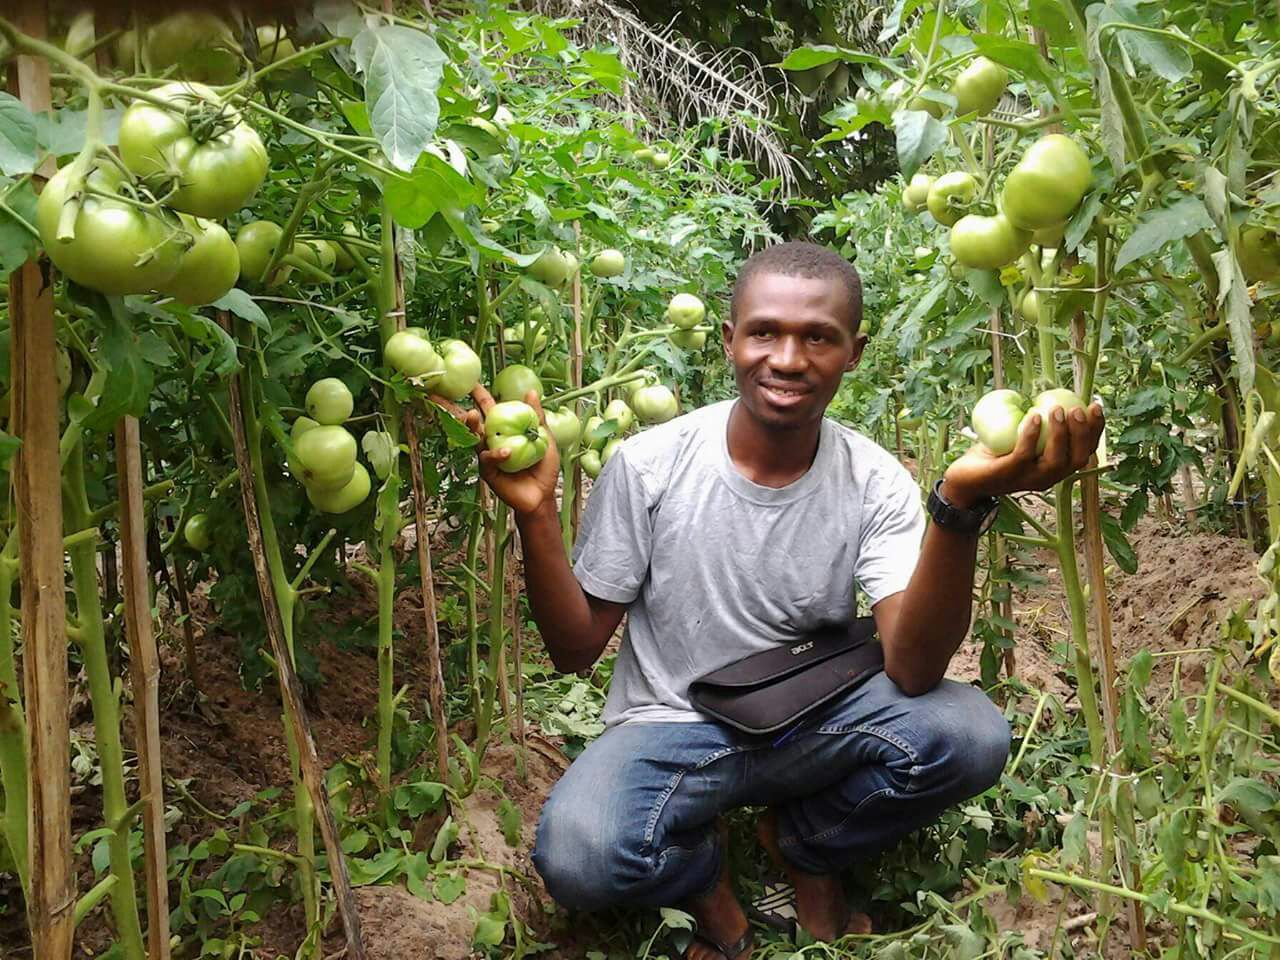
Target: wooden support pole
x,y
435,673
290,687
144,677
575,372
52,898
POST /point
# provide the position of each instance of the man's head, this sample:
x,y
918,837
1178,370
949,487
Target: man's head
x,y
793,331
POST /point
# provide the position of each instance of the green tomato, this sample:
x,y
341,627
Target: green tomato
x,y
209,268
565,427
916,194
609,450
593,424
1048,183
343,260
381,450
644,154
513,383
1044,405
117,248
327,456
256,243
987,243
685,311
608,263
320,254
513,338
273,44
61,371
1259,253
591,464
996,419
660,160
1050,238
347,497
301,426
932,107
979,87
619,410
1147,797
125,51
688,339
329,402
198,532
1029,306
552,268
199,44
461,370
513,426
212,177
81,35
655,404
950,196
409,352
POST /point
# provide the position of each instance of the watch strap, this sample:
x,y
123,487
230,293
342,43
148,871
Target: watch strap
x,y
960,519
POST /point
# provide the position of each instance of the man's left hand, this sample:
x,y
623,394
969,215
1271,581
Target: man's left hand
x,y
1073,437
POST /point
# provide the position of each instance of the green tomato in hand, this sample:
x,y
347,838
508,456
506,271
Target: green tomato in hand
x,y
198,533
950,196
327,457
619,410
513,426
329,402
685,311
515,382
996,419
1044,405
565,427
655,404
461,370
347,497
409,352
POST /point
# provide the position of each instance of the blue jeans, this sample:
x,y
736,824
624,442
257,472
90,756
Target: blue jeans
x,y
632,821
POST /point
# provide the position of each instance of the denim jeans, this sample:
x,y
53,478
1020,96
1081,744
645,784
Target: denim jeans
x,y
632,822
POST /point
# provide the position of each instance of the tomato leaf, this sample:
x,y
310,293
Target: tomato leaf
x,y
241,304
456,433
449,887
1158,228
1118,544
17,136
17,243
402,68
918,135
129,377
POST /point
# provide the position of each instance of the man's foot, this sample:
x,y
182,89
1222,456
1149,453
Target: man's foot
x,y
820,905
720,917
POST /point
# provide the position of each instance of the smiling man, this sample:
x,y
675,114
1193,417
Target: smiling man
x,y
734,529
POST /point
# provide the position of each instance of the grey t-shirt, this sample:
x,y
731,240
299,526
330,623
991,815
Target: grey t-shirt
x,y
714,567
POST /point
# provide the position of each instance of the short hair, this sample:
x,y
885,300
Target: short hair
x,y
797,258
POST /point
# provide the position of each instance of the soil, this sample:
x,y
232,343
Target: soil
x,y
229,746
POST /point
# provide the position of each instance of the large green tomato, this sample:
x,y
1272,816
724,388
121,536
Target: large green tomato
x,y
209,268
950,196
301,426
213,176
608,263
916,194
513,383
461,370
591,464
688,339
685,311
1259,253
987,243
117,248
198,43
329,402
347,497
274,44
619,410
409,352
552,268
979,87
609,450
1048,183
256,243
996,418
327,456
655,404
565,427
1044,405
513,426
198,533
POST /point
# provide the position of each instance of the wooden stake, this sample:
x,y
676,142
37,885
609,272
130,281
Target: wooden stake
x,y
517,656
575,373
51,904
144,677
290,688
435,671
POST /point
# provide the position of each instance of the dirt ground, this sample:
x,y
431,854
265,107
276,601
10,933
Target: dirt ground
x,y
232,747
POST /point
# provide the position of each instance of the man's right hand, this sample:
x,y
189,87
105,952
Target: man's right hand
x,y
528,490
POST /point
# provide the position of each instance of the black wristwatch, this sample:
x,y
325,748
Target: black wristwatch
x,y
977,519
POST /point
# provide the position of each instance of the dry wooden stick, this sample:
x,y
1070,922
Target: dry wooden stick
x,y
435,673
290,688
188,631
517,655
144,677
575,361
52,897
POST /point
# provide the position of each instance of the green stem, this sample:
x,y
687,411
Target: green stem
x,y
13,726
497,634
1202,340
106,707
1266,710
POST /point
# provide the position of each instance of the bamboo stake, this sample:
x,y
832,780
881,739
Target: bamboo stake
x,y
52,897
144,670
435,674
290,687
575,373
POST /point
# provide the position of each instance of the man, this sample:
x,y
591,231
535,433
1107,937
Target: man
x,y
732,529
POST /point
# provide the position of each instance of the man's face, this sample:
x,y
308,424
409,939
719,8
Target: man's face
x,y
789,347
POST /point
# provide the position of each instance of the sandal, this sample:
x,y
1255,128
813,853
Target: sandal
x,y
730,951
776,908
